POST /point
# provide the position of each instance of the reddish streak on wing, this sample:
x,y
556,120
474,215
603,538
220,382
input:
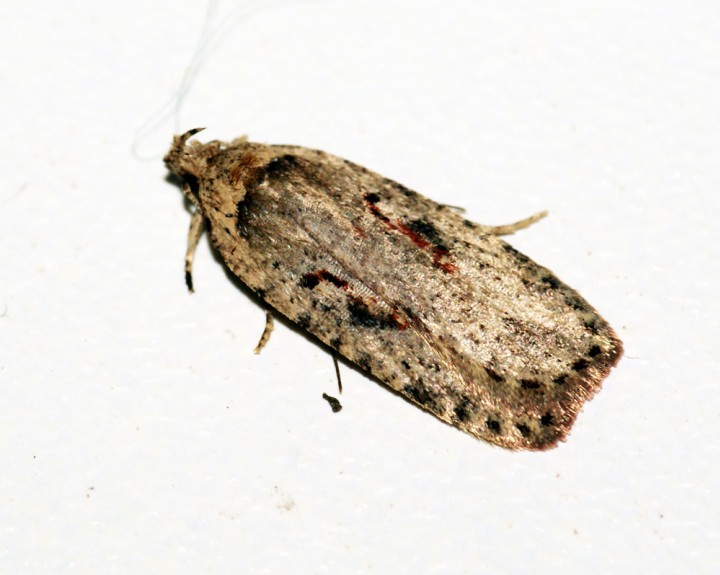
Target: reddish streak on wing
x,y
400,323
360,232
312,280
440,255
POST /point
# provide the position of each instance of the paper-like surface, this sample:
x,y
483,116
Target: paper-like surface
x,y
138,431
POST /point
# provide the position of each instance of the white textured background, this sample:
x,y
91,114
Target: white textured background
x,y
139,433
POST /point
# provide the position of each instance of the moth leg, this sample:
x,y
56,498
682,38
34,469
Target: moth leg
x,y
508,229
337,370
269,326
334,403
194,233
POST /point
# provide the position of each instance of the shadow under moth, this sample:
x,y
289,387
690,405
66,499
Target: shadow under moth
x,y
435,306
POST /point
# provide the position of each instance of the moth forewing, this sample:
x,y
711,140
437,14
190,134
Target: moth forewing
x,y
435,306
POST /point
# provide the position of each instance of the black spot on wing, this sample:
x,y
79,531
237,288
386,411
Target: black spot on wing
x,y
575,302
312,279
561,379
493,375
362,315
529,384
580,364
591,323
518,255
493,425
547,419
282,167
551,281
364,360
462,409
421,395
428,231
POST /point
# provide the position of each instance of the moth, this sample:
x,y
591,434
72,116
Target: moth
x,y
438,308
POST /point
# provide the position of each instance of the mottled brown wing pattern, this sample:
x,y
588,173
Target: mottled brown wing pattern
x,y
433,305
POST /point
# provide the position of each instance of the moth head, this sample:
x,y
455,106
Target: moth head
x,y
179,160
186,161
